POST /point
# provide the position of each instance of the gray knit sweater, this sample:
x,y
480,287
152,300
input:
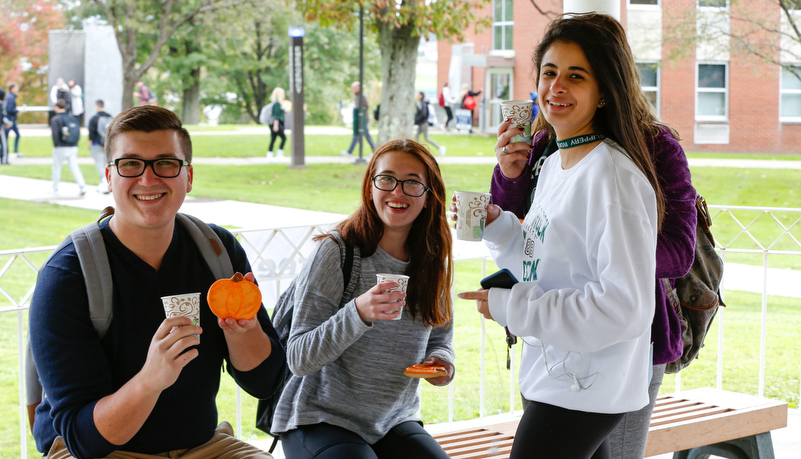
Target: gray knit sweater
x,y
348,373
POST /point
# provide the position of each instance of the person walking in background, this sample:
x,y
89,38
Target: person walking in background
x,y
276,122
66,133
421,121
60,90
4,122
98,126
448,100
143,93
468,103
12,113
355,88
585,251
76,96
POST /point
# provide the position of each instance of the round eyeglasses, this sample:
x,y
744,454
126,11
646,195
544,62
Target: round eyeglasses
x,y
411,188
162,167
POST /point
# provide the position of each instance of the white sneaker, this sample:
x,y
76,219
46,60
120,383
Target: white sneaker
x,y
279,154
346,153
442,151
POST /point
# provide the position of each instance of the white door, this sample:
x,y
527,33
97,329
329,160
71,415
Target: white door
x,y
500,88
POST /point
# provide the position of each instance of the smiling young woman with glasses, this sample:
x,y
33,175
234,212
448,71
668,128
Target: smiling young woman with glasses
x,y
349,396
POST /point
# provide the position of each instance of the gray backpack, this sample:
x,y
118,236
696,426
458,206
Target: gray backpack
x,y
103,123
97,276
266,116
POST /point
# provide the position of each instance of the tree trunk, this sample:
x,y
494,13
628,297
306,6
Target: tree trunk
x,y
128,88
192,99
398,63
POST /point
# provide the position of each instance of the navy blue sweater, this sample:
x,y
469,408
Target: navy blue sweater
x,y
77,368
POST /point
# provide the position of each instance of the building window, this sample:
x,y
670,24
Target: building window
x,y
502,25
712,93
791,94
643,3
649,81
713,4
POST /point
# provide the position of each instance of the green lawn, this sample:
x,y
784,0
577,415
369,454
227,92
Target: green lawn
x,y
335,188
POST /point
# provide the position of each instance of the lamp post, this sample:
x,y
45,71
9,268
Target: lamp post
x,y
296,96
361,108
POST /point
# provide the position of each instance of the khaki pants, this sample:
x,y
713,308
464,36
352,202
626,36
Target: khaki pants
x,y
222,445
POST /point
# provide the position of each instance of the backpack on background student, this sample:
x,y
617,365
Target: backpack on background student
x,y
70,130
697,295
431,116
103,122
92,255
266,116
282,321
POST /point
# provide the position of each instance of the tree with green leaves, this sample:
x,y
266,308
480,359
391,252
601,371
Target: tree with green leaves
x,y
399,25
160,20
248,57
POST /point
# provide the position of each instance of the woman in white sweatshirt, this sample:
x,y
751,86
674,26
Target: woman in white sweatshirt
x,y
584,252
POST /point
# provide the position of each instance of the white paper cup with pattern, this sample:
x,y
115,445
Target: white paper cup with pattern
x,y
401,280
471,215
519,112
183,305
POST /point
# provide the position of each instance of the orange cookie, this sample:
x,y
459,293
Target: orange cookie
x,y
236,297
425,371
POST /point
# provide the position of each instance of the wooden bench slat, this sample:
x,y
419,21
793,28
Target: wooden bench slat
x,y
681,421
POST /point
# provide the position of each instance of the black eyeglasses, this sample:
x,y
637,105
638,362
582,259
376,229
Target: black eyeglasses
x,y
412,188
162,167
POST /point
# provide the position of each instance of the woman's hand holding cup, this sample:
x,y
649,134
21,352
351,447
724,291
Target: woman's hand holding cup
x,y
512,157
493,211
382,302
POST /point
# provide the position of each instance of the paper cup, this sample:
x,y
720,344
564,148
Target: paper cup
x,y
471,214
185,305
401,280
519,111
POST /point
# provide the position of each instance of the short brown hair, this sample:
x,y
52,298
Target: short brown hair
x,y
148,118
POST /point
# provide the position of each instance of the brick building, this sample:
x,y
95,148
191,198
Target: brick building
x,y
717,96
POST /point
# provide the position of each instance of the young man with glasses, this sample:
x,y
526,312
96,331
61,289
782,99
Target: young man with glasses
x,y
146,389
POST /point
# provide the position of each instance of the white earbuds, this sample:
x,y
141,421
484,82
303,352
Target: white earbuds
x,y
576,386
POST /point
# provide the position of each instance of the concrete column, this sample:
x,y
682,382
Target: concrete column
x,y
610,7
102,71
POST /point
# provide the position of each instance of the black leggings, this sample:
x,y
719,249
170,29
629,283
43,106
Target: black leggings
x,y
547,431
279,133
325,441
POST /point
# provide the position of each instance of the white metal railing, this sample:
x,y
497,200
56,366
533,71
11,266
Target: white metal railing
x,y
277,254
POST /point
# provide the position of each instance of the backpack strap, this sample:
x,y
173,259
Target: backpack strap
x,y
91,250
351,264
209,244
92,255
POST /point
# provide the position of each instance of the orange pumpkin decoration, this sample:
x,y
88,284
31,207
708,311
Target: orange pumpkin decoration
x,y
236,297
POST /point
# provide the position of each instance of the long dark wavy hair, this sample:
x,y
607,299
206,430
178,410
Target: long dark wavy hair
x,y
429,241
627,117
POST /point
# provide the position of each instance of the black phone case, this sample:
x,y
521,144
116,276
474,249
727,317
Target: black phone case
x,y
500,279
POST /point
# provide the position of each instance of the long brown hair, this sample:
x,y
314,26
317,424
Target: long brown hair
x,y
429,241
627,117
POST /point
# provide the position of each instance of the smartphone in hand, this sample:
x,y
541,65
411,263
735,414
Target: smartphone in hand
x,y
501,279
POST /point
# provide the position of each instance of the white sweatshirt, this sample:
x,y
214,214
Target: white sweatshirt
x,y
585,256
